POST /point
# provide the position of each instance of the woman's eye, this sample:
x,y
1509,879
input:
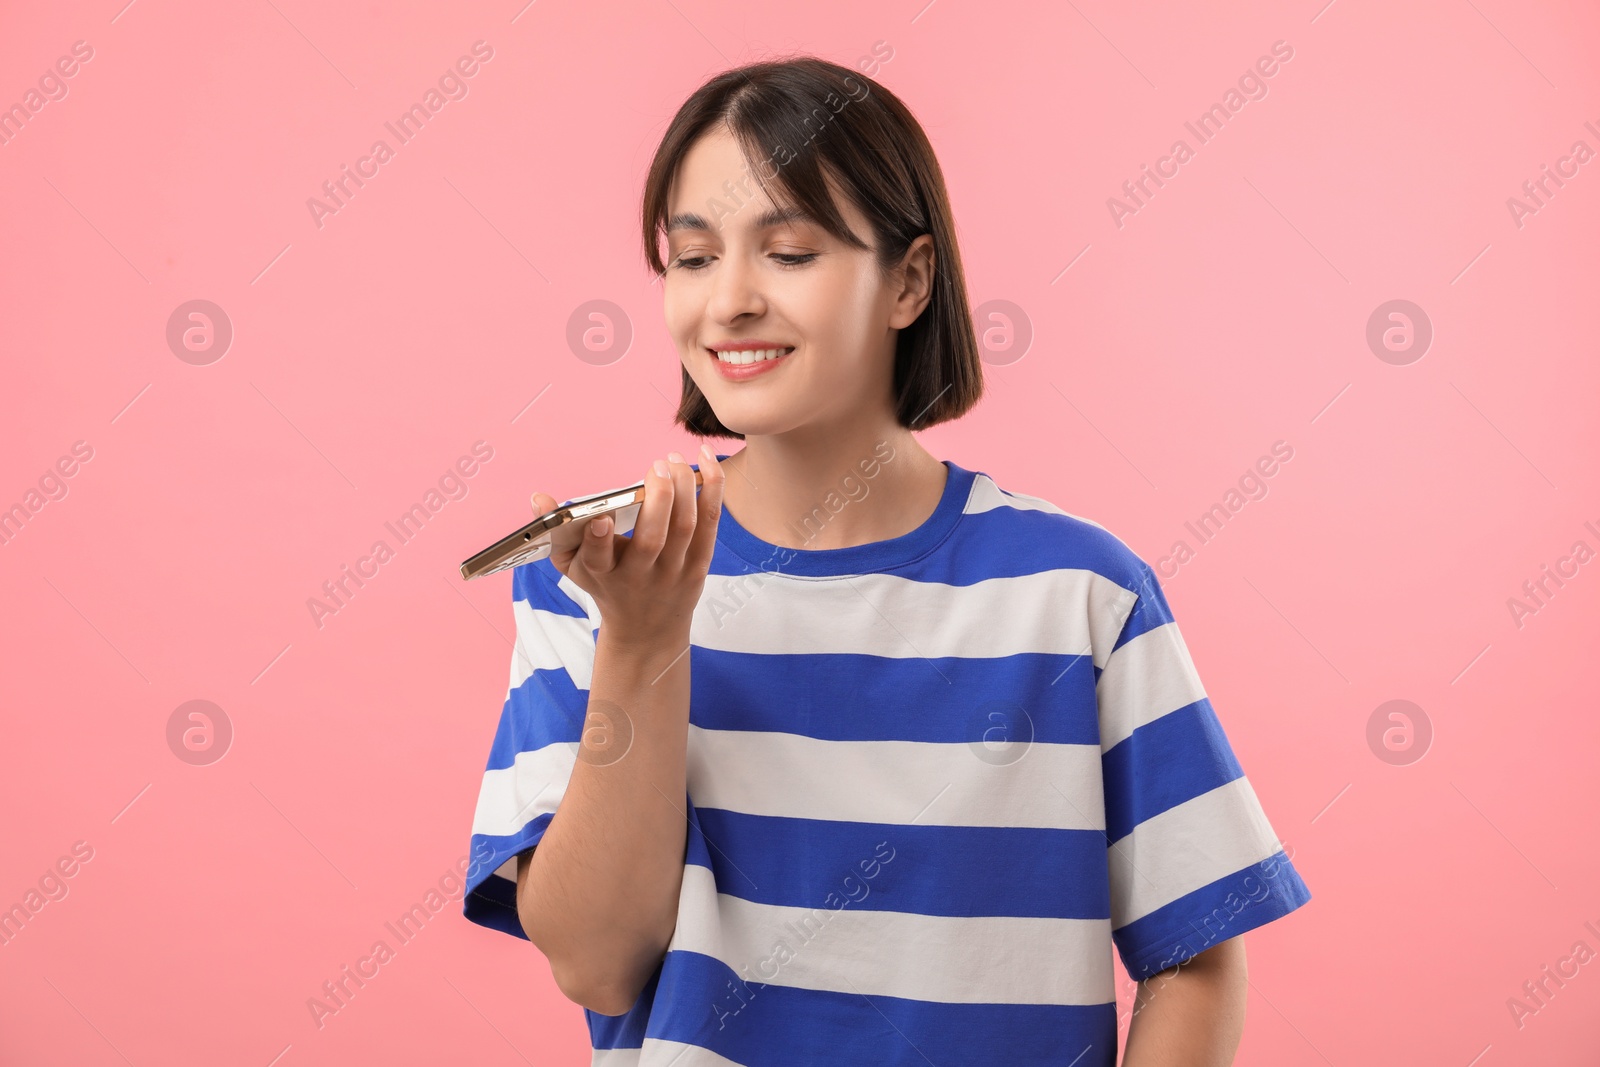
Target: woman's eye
x,y
787,260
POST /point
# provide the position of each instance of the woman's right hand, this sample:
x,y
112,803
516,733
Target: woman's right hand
x,y
647,585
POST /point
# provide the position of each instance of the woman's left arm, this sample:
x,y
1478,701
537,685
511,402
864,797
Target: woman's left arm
x,y
1191,1015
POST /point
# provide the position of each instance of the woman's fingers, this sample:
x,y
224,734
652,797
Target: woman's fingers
x,y
681,524
598,553
674,526
650,525
698,555
543,504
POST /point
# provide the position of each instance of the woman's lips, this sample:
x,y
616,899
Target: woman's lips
x,y
739,372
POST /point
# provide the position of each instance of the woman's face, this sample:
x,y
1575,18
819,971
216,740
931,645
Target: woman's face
x,y
738,273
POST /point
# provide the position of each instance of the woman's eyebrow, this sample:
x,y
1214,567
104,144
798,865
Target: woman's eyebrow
x,y
766,221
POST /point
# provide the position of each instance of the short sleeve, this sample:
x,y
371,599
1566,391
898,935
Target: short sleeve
x,y
1193,860
536,742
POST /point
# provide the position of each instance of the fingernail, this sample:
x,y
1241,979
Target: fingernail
x,y
661,467
676,457
601,526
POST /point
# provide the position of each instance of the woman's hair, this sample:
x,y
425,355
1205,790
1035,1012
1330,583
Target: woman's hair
x,y
803,117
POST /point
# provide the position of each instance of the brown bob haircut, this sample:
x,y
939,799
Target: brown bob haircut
x,y
802,117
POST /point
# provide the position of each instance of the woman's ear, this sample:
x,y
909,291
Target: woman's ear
x,y
914,276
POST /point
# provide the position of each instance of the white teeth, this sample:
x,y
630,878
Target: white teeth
x,y
754,356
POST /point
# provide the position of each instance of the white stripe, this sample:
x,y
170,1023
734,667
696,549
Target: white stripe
x,y
1150,676
1112,602
934,784
895,617
511,797
582,598
848,949
547,640
659,1053
1189,845
874,614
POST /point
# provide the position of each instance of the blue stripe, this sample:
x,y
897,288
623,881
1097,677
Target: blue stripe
x,y
824,695
1248,898
493,902
536,583
696,850
1034,541
627,1030
546,709
1149,611
701,1001
935,870
914,699
1164,763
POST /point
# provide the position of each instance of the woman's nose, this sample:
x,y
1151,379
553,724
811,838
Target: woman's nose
x,y
735,289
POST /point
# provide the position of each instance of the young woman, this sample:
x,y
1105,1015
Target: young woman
x,y
855,757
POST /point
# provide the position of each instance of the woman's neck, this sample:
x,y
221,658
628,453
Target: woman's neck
x,y
833,493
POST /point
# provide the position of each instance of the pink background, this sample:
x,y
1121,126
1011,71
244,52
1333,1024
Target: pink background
x,y
368,354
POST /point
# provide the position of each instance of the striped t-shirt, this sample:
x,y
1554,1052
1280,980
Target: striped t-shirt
x,y
932,781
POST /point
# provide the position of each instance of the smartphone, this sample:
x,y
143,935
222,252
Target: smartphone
x,y
562,527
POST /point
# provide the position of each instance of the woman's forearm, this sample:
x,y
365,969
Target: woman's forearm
x,y
599,896
1191,1015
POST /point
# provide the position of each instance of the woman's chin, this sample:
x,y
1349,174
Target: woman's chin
x,y
740,419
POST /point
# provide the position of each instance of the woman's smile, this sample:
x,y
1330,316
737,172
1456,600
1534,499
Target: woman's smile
x,y
741,360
